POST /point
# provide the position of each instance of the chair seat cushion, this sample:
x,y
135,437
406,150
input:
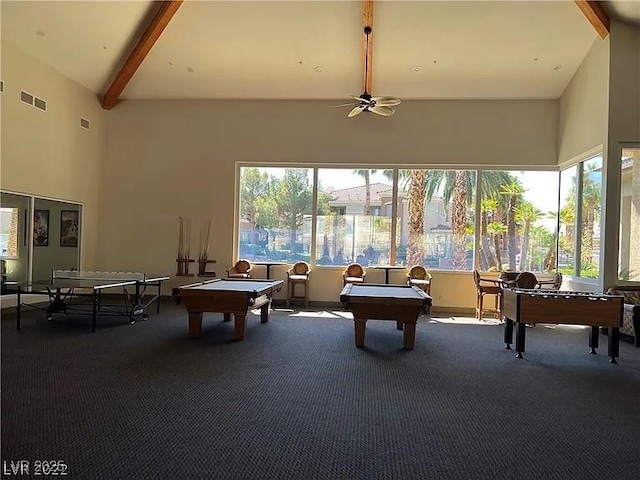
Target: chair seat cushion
x,y
238,275
354,279
298,278
416,281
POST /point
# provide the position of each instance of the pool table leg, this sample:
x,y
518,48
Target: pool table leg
x,y
195,324
240,321
409,335
360,324
264,312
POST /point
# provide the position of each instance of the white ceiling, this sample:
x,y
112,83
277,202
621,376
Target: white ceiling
x,y
270,50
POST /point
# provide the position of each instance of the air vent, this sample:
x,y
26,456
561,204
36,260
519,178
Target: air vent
x,y
40,104
84,123
26,97
1,86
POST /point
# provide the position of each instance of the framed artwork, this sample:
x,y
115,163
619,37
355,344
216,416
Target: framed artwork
x,y
41,228
69,228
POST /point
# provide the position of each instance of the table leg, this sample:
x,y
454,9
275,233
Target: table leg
x,y
386,276
521,329
195,324
96,301
226,317
409,335
360,324
268,269
593,339
240,319
508,333
264,312
398,324
614,344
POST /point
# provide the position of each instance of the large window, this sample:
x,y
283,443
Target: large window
x,y
629,263
275,214
354,216
518,221
436,213
352,219
580,215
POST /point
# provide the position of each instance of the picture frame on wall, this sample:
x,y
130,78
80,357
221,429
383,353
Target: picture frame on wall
x,y
69,228
41,228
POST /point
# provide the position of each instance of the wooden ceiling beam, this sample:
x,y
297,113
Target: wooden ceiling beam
x,y
596,16
367,21
155,28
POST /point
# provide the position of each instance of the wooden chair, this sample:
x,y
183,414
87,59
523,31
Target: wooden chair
x,y
487,286
552,284
242,269
298,275
526,280
354,273
419,277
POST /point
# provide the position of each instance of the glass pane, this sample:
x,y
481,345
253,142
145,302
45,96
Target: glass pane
x,y
354,216
275,214
591,200
14,236
518,221
567,220
436,221
629,266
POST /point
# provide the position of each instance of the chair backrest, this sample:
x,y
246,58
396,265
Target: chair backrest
x,y
242,266
509,278
557,281
526,280
354,270
300,268
418,272
476,278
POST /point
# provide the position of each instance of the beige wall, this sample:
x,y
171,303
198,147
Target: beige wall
x,y
584,105
168,159
624,127
47,153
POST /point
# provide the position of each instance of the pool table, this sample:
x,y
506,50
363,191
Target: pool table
x,y
400,303
228,296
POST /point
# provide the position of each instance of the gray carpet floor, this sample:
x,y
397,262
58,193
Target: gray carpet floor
x,y
297,400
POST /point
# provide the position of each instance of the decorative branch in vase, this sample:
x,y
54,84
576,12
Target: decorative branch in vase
x,y
184,247
203,256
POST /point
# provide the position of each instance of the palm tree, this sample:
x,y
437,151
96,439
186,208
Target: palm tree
x,y
513,192
367,183
417,191
496,229
488,208
527,215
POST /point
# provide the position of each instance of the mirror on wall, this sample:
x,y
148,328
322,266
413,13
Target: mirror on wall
x,y
38,235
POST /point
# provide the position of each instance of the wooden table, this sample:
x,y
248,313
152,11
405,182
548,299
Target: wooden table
x,y
228,296
399,303
268,264
561,307
386,269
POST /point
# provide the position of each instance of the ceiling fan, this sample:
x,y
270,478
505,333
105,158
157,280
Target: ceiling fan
x,y
367,102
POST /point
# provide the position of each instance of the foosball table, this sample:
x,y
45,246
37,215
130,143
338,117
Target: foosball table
x,y
531,306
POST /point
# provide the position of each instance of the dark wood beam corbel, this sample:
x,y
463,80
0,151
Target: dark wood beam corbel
x,y
596,15
159,22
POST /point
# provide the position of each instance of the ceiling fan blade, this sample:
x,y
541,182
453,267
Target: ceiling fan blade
x,y
344,104
382,110
356,111
387,101
363,99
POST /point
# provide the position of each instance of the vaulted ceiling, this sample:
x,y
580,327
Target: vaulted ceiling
x,y
313,50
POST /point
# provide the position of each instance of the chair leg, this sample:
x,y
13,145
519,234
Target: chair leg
x,y
480,305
